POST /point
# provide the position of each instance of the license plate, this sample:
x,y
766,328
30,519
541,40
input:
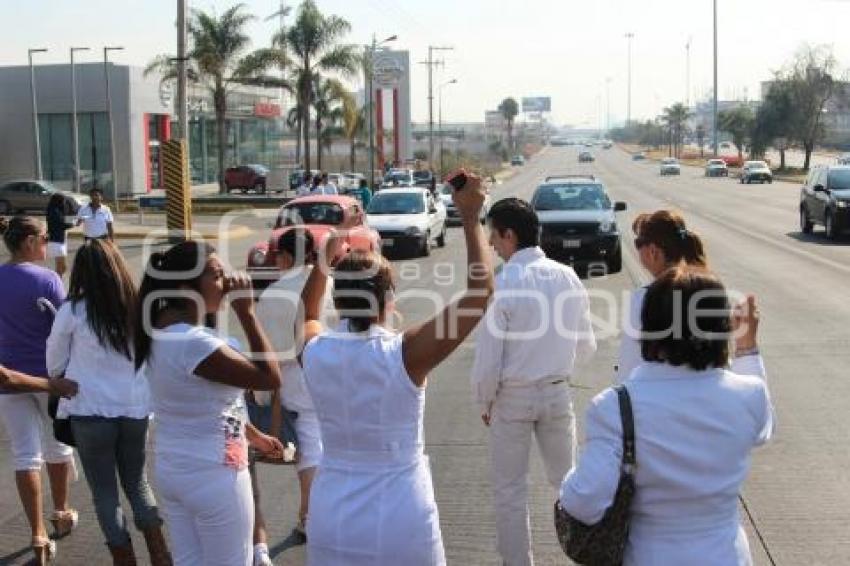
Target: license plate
x,y
572,243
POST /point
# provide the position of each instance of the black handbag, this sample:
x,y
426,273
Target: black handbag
x,y
604,543
61,427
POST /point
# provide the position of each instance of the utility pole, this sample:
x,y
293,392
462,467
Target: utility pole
x,y
74,127
106,51
431,63
182,101
37,139
629,37
440,99
714,110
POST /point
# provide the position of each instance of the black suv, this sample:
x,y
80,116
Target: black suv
x,y
825,199
577,220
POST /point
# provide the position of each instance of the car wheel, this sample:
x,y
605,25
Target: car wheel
x,y
806,225
829,225
441,239
259,188
615,263
426,245
5,207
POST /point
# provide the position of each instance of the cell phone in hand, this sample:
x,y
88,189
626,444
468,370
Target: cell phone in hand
x,y
458,180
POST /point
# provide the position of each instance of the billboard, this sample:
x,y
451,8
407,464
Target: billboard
x,y
537,104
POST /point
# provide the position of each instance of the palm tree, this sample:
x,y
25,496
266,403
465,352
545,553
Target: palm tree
x,y
676,117
313,41
218,61
328,99
293,122
509,109
353,128
738,122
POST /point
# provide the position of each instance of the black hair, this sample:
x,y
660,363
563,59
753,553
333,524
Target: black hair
x,y
362,281
666,229
94,190
298,243
516,215
17,229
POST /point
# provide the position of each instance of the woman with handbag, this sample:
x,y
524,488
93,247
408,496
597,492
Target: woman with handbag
x,y
372,502
92,340
696,421
24,327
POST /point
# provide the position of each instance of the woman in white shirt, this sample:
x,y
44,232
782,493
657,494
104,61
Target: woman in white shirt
x,y
662,241
696,423
372,501
197,384
91,339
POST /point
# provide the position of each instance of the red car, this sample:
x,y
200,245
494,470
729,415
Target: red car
x,y
246,178
318,214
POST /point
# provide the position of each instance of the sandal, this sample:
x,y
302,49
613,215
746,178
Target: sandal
x,y
44,550
64,522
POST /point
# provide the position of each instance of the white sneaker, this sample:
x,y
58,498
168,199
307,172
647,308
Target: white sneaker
x,y
261,555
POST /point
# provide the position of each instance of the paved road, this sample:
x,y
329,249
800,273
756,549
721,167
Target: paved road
x,y
797,492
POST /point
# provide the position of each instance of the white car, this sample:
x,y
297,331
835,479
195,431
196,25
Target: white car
x,y
452,217
398,178
351,180
408,218
337,180
670,166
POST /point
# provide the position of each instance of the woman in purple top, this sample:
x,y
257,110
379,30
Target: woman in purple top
x,y
25,322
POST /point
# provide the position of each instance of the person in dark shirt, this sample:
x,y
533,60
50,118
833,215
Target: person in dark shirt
x,y
57,249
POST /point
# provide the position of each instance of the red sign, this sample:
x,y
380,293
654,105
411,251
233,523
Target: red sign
x,y
266,110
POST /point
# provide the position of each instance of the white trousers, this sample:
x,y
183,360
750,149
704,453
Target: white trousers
x,y
30,431
544,411
209,511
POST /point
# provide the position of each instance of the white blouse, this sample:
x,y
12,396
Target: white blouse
x,y
109,383
694,432
630,357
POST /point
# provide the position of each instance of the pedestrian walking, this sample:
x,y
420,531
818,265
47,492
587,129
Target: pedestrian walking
x,y
57,225
372,501
696,422
536,329
96,218
362,193
277,310
24,328
197,384
662,240
91,339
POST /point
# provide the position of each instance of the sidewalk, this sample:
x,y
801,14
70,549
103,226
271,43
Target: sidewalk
x,y
128,227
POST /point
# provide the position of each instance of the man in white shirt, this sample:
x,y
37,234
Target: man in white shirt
x,y
96,218
527,345
328,188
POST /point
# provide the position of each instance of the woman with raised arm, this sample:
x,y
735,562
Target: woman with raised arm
x,y
372,501
197,385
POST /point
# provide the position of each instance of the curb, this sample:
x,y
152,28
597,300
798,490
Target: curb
x,y
141,232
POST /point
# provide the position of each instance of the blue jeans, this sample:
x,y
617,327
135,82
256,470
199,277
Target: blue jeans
x,y
113,449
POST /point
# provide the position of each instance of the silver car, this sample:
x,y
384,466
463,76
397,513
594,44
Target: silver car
x,y
28,195
670,166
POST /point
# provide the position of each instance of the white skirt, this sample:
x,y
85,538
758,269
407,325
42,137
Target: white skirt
x,y
57,249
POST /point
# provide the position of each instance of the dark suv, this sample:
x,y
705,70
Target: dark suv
x,y
825,199
246,178
577,220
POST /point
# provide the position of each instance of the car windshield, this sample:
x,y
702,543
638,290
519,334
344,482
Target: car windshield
x,y
397,178
756,165
421,175
311,213
717,162
839,179
397,203
571,197
258,168
668,161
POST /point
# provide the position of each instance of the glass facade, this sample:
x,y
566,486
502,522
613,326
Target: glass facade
x,y
94,152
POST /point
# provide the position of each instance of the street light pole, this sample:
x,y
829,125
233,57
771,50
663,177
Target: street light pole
x,y
430,62
440,104
38,170
714,109
629,36
371,96
182,81
106,51
74,128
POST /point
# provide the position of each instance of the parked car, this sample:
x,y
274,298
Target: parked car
x,y
586,157
756,171
716,168
318,214
452,215
28,195
607,144
352,180
578,221
639,156
296,178
517,161
670,166
408,219
423,178
398,178
825,200
246,178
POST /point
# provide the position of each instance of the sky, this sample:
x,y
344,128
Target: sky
x,y
574,51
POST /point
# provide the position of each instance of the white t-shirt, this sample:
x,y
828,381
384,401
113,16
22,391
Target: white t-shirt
x,y
109,383
95,221
196,419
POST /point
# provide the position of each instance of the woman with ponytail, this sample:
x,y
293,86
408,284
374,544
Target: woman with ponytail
x,y
662,241
197,385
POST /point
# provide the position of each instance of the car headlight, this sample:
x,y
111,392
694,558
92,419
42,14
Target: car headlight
x,y
842,203
607,226
413,231
258,257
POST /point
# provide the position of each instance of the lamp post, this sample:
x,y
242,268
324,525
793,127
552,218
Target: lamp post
x,y
74,129
629,37
430,62
106,51
369,72
440,127
38,171
714,108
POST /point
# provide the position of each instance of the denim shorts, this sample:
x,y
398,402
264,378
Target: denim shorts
x,y
261,417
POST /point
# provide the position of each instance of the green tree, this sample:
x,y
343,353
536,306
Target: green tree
x,y
737,122
313,42
293,122
354,128
219,60
676,117
509,109
329,96
810,80
774,121
700,135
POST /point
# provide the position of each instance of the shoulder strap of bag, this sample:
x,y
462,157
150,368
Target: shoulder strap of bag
x,y
627,419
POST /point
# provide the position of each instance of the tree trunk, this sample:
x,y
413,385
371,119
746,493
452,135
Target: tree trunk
x,y
782,159
809,146
352,155
318,142
298,140
220,102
